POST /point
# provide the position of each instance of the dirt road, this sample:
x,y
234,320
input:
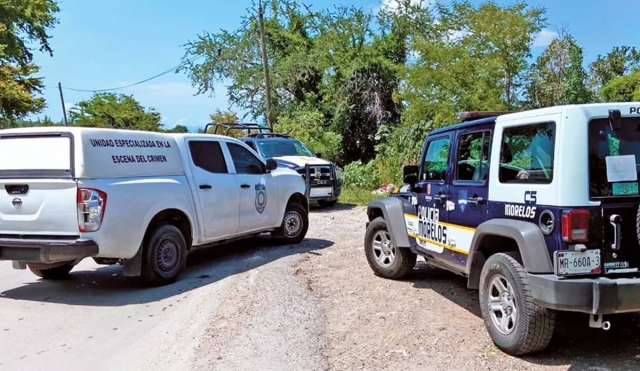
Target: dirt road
x,y
256,306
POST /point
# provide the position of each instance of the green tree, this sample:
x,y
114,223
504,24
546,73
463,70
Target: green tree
x,y
558,76
620,61
22,22
622,88
178,129
225,117
118,111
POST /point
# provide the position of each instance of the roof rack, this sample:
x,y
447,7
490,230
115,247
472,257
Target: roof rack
x,y
237,126
262,131
475,115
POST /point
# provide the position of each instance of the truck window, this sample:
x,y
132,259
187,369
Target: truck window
x,y
207,155
244,161
434,167
36,155
473,157
527,153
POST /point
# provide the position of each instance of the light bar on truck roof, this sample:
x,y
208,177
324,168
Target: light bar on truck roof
x,y
476,115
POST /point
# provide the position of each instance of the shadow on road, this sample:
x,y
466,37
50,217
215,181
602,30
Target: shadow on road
x,y
106,286
334,209
574,343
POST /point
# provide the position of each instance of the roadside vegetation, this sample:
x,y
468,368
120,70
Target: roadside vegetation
x,y
363,87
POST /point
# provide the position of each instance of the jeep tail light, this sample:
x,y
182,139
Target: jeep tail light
x,y
575,226
91,206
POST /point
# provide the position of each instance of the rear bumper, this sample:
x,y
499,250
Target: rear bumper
x,y
46,251
588,295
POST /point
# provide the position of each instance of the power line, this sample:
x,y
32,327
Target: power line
x,y
172,69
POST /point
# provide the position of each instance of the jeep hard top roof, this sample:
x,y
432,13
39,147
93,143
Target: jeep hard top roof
x,y
470,119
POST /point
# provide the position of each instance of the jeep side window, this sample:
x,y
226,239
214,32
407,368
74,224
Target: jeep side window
x,y
207,155
527,153
244,161
473,157
434,167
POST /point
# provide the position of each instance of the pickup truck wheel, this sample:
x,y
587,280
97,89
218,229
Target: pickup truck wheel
x,y
515,323
164,256
57,273
294,225
385,259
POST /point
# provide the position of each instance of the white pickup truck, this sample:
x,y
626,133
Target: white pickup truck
x,y
141,199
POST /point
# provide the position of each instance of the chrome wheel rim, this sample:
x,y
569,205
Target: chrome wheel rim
x,y
502,304
383,250
292,224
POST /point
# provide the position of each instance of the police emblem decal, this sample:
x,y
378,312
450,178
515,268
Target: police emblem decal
x,y
261,197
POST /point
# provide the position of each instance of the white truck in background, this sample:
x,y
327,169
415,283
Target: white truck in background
x,y
141,199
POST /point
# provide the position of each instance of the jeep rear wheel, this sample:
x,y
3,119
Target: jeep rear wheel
x,y
56,273
515,323
385,259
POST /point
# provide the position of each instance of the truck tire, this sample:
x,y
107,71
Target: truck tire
x,y
295,225
164,256
327,204
385,259
57,273
515,323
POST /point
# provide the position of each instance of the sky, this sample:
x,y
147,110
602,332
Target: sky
x,y
103,44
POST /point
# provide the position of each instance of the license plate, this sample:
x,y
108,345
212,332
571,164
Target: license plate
x,y
322,182
570,263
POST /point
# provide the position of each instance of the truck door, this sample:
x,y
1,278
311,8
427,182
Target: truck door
x,y
259,198
218,196
469,190
433,197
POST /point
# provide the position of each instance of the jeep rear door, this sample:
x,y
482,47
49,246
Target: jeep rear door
x,y
469,189
38,192
614,157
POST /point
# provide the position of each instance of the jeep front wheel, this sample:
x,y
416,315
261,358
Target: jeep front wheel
x,y
385,259
515,323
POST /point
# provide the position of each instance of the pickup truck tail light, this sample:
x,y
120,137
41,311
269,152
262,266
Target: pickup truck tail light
x,y
91,206
575,226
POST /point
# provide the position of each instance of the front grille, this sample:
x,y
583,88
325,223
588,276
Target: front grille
x,y
320,175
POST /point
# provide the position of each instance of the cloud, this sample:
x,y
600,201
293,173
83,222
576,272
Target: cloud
x,y
68,106
394,5
544,38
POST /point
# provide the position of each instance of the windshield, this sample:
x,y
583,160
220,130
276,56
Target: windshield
x,y
277,148
613,158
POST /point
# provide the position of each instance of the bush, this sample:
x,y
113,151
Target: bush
x,y
361,176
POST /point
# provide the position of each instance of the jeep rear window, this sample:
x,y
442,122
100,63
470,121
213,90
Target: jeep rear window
x,y
527,153
604,142
35,155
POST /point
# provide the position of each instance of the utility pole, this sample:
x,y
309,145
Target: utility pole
x,y
64,110
265,64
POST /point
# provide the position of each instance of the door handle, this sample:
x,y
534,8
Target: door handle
x,y
441,197
475,200
205,186
245,186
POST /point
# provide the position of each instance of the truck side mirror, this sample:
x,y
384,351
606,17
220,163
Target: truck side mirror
x,y
410,174
319,154
271,164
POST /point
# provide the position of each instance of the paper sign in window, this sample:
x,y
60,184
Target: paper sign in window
x,y
621,168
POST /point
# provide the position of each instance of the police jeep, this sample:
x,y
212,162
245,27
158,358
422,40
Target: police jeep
x,y
324,185
539,210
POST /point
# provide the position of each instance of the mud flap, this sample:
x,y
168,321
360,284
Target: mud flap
x,y
133,267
